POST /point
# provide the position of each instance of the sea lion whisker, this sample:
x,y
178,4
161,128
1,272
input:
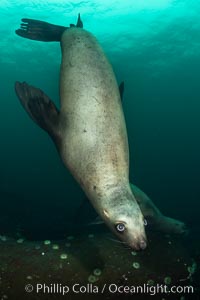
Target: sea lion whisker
x,y
117,241
127,247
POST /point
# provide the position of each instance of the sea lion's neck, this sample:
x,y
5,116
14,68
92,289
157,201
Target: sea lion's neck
x,y
111,195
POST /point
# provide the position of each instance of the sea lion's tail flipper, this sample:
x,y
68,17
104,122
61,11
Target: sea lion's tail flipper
x,y
40,108
43,31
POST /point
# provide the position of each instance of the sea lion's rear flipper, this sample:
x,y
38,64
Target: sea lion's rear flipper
x,y
40,31
40,108
43,31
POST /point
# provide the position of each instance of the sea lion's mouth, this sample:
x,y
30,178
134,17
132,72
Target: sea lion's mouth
x,y
138,245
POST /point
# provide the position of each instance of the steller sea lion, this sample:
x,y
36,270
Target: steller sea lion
x,y
154,217
89,130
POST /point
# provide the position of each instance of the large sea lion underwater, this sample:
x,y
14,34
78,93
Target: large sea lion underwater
x,y
89,130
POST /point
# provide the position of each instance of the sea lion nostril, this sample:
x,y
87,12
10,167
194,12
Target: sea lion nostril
x,y
143,245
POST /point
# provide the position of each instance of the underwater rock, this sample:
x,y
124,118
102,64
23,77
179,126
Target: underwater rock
x,y
89,265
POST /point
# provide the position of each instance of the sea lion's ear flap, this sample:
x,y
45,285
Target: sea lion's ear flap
x,y
121,90
40,108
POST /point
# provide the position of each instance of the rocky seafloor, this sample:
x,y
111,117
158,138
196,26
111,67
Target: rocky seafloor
x,y
92,265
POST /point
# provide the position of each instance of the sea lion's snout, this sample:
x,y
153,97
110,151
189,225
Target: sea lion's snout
x,y
143,245
139,244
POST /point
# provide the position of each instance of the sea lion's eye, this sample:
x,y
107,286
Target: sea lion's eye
x,y
120,227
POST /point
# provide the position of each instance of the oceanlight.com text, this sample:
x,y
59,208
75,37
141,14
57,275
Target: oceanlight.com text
x,y
58,288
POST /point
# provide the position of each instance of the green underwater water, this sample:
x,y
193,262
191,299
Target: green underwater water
x,y
154,47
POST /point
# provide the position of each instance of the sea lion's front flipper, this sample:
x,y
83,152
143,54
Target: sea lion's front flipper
x,y
40,108
86,213
79,22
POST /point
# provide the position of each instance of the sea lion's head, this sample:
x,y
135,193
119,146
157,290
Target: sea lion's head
x,y
127,223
